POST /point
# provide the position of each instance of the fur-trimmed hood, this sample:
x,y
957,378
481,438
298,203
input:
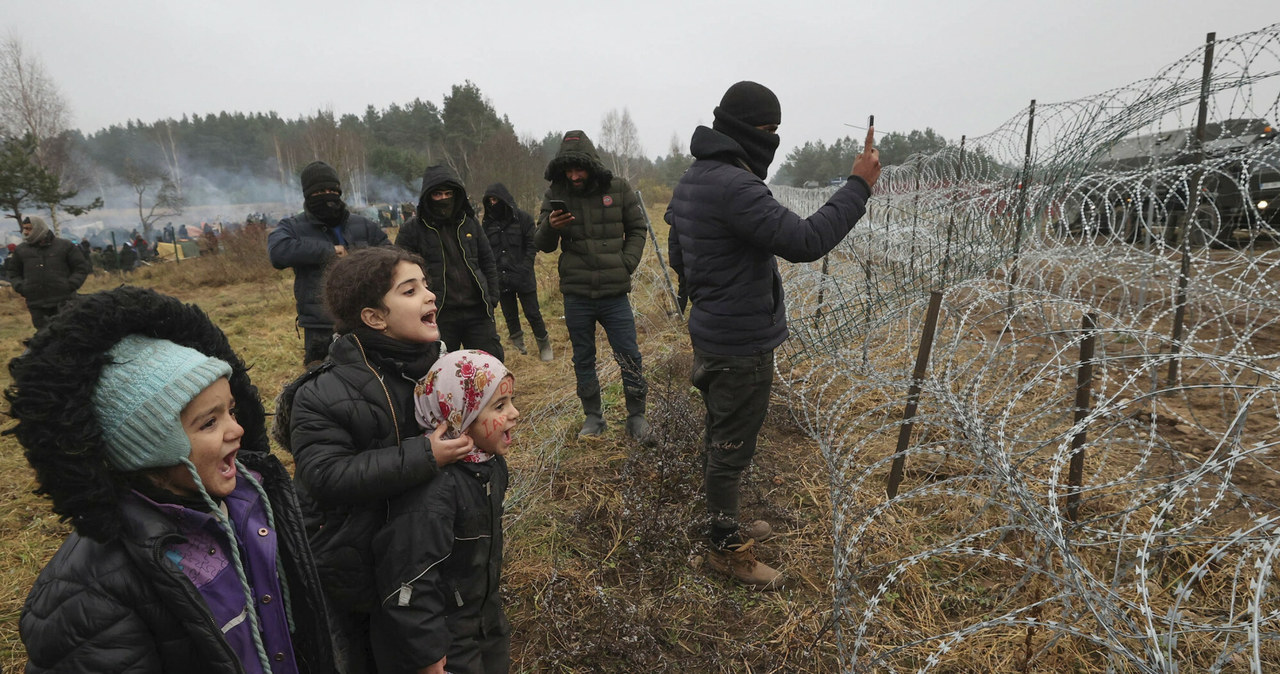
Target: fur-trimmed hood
x,y
52,389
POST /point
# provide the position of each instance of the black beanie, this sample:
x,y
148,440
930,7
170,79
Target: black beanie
x,y
319,176
751,103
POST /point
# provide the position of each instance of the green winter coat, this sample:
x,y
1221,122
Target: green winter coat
x,y
603,245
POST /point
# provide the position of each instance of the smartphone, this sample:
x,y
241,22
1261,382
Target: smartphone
x,y
558,205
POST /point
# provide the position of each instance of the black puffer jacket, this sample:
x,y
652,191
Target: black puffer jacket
x,y
355,443
439,560
605,242
422,235
48,272
306,244
105,603
510,232
726,228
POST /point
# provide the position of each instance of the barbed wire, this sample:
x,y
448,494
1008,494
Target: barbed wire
x,y
1110,208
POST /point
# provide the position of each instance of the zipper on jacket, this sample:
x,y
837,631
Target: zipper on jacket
x,y
444,268
484,297
395,422
192,593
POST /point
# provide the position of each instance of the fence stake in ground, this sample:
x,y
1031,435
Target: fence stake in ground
x,y
1193,186
1084,398
913,393
951,221
666,276
1022,204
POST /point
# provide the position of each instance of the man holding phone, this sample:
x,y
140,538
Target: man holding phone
x,y
594,217
728,228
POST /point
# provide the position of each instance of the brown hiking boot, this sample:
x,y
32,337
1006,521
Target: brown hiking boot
x,y
739,563
759,530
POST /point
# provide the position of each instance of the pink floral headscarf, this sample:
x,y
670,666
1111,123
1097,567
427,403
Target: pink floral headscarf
x,y
458,386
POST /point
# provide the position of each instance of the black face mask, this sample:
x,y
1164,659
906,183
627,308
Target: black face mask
x,y
328,208
442,208
496,211
759,145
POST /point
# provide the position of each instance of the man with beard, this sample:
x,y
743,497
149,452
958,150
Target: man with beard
x,y
601,238
46,270
510,232
460,265
726,229
308,241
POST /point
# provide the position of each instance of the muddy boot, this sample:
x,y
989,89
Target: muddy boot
x,y
760,530
544,348
517,339
738,561
594,425
637,426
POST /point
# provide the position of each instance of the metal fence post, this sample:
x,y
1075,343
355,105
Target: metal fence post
x,y
1084,398
913,393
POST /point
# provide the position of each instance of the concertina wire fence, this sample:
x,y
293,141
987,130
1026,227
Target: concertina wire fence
x,y
1108,208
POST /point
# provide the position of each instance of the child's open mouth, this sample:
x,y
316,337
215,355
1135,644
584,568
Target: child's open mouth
x,y
429,318
227,468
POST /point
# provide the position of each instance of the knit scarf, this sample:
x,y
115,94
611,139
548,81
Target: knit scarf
x,y
414,359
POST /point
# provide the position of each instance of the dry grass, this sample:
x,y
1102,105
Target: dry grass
x,y
598,573
602,557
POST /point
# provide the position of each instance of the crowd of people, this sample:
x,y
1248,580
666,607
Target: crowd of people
x,y
193,548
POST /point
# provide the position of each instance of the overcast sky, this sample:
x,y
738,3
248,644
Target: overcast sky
x,y
959,66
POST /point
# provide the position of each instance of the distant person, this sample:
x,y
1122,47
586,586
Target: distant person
x,y
168,234
85,248
439,556
182,233
726,229
110,259
128,258
46,270
188,551
323,231
459,261
510,232
601,240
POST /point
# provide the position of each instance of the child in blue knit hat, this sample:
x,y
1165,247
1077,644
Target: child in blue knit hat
x,y
189,552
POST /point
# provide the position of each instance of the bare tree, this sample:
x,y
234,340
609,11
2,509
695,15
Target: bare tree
x,y
167,200
29,100
169,149
31,106
620,138
340,146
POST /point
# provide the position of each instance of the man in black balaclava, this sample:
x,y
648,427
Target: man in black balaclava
x,y
726,229
325,229
460,267
510,232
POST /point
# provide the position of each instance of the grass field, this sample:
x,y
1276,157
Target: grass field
x,y
602,572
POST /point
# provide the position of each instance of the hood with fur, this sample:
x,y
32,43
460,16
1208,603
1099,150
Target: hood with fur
x,y
53,383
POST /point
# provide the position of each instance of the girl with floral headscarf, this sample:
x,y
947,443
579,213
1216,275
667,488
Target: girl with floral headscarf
x,y
439,557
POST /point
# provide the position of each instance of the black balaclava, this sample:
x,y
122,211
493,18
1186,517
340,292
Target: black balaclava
x,y
498,212
442,209
745,106
327,208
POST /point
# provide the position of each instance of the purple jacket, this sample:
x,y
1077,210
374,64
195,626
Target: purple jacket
x,y
205,560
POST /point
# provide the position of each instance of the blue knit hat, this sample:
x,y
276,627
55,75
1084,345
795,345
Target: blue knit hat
x,y
140,396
